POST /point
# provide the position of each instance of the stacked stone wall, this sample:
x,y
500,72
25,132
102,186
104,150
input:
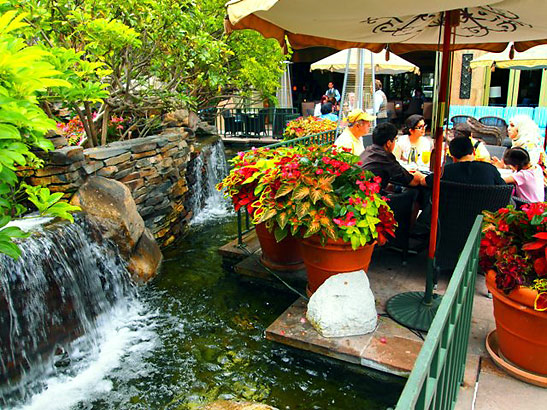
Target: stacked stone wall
x,y
153,168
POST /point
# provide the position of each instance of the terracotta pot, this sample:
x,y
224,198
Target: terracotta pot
x,y
521,330
335,257
280,256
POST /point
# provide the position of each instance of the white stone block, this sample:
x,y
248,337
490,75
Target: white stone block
x,y
343,306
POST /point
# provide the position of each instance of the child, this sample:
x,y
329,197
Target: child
x,y
527,177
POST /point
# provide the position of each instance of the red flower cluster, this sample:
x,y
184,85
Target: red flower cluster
x,y
515,246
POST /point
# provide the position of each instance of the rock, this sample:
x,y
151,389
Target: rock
x,y
203,128
343,306
146,258
109,203
181,118
237,405
104,152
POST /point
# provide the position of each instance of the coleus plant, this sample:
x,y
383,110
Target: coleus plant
x,y
515,246
315,190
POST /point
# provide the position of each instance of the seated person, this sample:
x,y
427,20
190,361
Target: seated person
x,y
466,169
463,130
317,108
527,177
358,126
326,112
413,143
379,159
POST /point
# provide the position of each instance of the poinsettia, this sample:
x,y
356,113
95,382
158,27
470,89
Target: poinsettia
x,y
515,246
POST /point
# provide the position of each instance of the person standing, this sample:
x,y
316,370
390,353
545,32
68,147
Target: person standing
x,y
333,92
380,103
358,126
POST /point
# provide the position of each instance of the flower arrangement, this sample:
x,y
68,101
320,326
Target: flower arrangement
x,y
315,190
303,126
515,246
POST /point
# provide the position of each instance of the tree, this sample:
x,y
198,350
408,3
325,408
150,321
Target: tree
x,y
151,56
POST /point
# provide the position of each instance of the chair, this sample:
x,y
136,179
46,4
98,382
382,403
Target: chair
x,y
255,124
496,150
459,204
401,204
233,122
459,119
367,140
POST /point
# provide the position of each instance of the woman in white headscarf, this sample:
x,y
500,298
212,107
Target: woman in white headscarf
x,y
524,133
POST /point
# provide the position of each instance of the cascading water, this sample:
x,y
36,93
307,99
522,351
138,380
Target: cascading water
x,y
205,171
193,335
64,285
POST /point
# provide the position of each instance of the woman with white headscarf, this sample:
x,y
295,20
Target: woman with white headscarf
x,y
524,133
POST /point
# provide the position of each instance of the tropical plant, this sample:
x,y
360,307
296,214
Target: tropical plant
x,y
303,126
24,73
514,245
315,190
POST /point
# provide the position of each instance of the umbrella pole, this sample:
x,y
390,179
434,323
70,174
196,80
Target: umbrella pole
x,y
342,98
416,310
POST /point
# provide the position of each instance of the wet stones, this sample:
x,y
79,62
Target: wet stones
x,y
152,168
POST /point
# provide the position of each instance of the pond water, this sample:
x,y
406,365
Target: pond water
x,y
195,334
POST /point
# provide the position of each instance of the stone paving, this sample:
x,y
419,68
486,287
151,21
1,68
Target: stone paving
x,y
393,348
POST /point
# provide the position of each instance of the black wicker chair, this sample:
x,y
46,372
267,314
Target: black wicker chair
x,y
459,119
459,205
401,204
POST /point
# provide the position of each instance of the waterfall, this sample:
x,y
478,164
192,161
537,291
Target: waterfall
x,y
204,172
57,291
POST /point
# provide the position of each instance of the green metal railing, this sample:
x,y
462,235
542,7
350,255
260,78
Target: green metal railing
x,y
440,366
327,137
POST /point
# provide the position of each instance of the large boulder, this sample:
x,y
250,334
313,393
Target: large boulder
x,y
146,258
343,306
110,205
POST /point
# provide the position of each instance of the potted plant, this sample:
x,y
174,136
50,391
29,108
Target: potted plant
x,y
303,126
513,254
243,186
320,194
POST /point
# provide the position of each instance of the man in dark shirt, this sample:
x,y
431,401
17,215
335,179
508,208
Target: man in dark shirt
x,y
379,159
465,169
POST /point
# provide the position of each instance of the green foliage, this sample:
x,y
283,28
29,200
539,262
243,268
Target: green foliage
x,y
25,72
49,204
150,56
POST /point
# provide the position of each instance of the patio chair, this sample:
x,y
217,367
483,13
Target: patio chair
x,y
232,123
401,205
496,150
459,119
459,204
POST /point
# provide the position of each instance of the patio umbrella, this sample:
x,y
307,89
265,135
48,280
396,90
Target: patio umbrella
x,y
382,65
531,59
401,26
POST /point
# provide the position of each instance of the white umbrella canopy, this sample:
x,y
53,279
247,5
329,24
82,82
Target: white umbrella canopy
x,y
402,25
531,59
337,63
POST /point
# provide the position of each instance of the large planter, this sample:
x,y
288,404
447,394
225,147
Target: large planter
x,y
521,330
335,257
279,256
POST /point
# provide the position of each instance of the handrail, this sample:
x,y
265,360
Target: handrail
x,y
439,369
321,138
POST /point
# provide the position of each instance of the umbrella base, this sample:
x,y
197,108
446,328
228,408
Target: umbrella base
x,y
409,310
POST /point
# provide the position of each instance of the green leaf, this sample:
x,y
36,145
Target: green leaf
x,y
9,248
9,132
280,233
